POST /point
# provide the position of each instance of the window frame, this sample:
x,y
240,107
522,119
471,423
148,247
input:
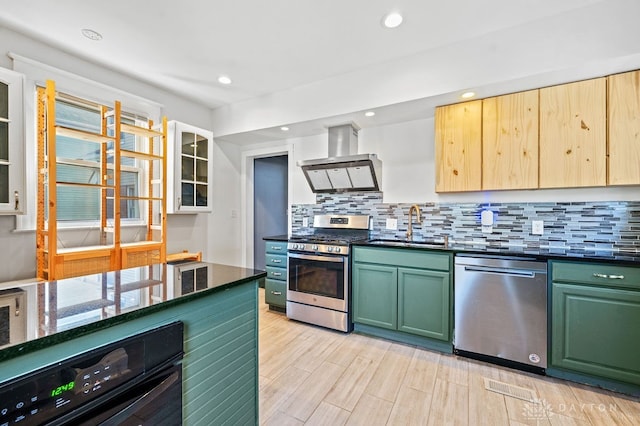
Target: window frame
x,y
36,74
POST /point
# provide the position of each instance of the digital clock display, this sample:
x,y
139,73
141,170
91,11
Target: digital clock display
x,y
62,388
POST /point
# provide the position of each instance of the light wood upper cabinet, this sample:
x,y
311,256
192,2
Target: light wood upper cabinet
x,y
624,129
573,134
458,140
510,141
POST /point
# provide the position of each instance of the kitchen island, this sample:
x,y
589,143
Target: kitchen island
x,y
216,303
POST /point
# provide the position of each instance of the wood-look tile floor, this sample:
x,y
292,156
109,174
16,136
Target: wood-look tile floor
x,y
313,376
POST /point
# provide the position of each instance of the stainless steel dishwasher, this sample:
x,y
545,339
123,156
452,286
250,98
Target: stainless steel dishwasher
x,y
501,310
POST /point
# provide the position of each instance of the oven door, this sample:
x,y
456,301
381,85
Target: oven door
x,y
318,280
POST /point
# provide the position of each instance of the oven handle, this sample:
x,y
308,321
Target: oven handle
x,y
338,259
144,400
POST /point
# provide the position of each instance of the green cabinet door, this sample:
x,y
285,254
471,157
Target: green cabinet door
x,y
595,331
375,295
423,301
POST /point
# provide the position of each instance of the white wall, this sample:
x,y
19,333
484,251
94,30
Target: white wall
x,y
192,232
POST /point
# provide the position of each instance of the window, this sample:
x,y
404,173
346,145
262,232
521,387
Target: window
x,y
79,162
34,73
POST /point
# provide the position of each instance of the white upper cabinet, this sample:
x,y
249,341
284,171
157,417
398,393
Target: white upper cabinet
x,y
11,143
189,185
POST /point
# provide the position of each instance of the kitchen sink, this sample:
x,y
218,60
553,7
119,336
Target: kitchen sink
x,y
412,244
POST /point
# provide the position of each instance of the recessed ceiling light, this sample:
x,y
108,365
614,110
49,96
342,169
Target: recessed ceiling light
x,y
223,79
392,20
467,95
91,34
369,114
284,128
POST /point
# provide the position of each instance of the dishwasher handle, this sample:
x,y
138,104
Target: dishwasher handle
x,y
502,271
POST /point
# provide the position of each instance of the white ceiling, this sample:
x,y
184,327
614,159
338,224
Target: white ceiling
x,y
264,46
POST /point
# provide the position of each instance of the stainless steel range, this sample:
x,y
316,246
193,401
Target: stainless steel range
x,y
318,286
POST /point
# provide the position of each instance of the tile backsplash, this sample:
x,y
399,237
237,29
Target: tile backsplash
x,y
576,225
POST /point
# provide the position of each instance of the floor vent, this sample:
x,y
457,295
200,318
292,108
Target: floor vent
x,y
510,390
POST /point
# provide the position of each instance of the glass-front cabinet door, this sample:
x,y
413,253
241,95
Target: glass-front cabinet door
x,y
11,143
189,188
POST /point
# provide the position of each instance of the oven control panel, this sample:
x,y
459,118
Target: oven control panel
x,y
64,387
55,390
339,221
317,248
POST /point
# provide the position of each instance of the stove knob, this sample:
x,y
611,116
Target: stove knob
x,y
338,250
300,246
329,249
314,247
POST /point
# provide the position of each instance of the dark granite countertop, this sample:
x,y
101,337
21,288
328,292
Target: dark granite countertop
x,y
56,311
545,253
277,238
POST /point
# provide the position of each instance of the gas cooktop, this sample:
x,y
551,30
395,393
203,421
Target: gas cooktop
x,y
332,234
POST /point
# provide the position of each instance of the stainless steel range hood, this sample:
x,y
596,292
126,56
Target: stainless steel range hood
x,y
344,170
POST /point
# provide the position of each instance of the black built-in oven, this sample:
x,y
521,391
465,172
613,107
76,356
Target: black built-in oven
x,y
134,381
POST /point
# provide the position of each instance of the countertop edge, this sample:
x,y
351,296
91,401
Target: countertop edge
x,y
576,255
64,336
283,237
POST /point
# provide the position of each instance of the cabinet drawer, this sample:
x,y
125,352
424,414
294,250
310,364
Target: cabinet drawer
x,y
275,260
596,273
275,293
403,257
276,247
276,273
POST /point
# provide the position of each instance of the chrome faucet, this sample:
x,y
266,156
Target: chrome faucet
x,y
418,217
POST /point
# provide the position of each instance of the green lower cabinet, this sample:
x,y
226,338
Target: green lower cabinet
x,y
404,300
423,300
375,295
275,293
275,286
596,331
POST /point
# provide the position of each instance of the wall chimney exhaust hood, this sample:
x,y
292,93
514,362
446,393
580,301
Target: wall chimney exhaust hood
x,y
343,170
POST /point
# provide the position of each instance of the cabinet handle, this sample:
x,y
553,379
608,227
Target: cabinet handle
x,y
276,261
16,195
276,274
276,248
276,293
612,277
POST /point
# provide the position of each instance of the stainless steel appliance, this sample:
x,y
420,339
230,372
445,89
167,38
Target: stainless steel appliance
x,y
344,169
134,381
13,317
501,309
318,286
